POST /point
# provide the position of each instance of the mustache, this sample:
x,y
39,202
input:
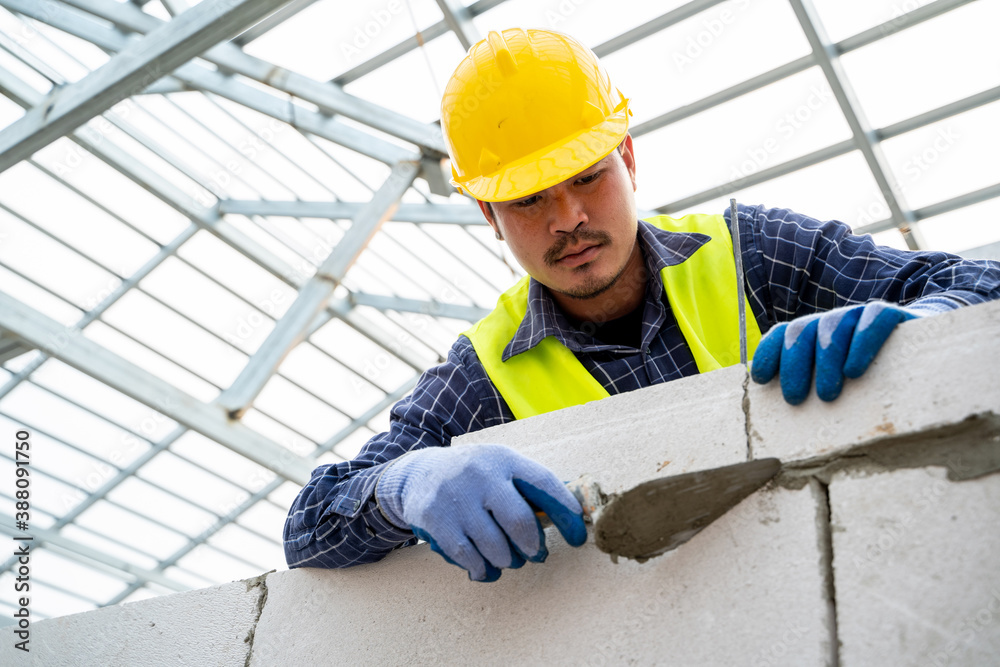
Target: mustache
x,y
594,236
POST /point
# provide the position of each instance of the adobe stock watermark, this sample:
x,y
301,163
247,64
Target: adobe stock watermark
x,y
561,13
247,326
709,33
890,536
469,103
417,323
26,32
898,18
94,133
131,444
610,650
912,171
290,453
759,157
249,148
111,288
968,629
777,653
364,34
616,648
306,264
458,628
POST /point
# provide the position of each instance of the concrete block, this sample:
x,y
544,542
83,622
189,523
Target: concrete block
x,y
211,626
931,372
667,429
748,590
916,569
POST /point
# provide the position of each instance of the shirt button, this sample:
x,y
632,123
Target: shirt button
x,y
646,350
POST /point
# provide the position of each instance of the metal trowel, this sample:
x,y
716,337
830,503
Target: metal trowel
x,y
661,514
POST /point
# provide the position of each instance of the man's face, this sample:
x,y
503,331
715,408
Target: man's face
x,y
575,237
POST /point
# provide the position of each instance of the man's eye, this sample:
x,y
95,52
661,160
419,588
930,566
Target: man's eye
x,y
589,178
528,202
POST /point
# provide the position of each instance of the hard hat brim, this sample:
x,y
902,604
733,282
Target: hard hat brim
x,y
551,165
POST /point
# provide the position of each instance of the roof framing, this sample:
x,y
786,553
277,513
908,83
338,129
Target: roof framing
x,y
139,65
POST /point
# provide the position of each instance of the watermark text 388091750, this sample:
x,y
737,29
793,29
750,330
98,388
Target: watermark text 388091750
x,y
22,543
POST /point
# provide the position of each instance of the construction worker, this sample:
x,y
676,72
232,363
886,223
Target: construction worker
x,y
539,137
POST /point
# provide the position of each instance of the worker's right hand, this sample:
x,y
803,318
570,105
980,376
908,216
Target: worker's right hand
x,y
475,505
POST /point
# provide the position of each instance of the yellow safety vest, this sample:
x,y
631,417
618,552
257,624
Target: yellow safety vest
x,y
702,294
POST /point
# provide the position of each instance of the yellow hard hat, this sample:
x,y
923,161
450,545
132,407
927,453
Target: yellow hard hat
x,y
527,109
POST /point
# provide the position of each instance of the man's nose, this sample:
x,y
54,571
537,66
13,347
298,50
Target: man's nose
x,y
566,214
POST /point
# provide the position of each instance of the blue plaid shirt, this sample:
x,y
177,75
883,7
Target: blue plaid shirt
x,y
795,265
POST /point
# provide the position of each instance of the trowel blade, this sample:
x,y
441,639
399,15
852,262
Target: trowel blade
x,y
662,514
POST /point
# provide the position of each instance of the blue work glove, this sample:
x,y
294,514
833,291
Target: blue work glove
x,y
842,342
475,505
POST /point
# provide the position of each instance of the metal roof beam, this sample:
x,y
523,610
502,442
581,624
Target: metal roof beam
x,y
988,251
777,171
343,309
961,201
836,150
371,413
654,26
133,69
287,111
867,141
939,208
26,96
432,308
407,45
11,346
455,214
331,98
95,312
194,76
898,23
392,53
934,115
209,220
70,346
459,19
292,328
89,556
147,178
175,7
272,21
360,422
794,67
212,221
723,96
165,86
34,62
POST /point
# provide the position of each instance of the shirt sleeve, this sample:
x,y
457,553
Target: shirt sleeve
x,y
796,265
335,520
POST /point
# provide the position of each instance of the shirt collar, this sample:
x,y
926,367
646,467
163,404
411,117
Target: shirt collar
x,y
660,249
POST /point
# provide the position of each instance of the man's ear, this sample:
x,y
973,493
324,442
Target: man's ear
x,y
628,157
487,210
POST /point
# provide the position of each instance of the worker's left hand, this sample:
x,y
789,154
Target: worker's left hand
x,y
842,343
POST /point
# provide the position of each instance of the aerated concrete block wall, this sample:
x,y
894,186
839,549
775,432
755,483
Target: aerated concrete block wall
x,y
878,544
